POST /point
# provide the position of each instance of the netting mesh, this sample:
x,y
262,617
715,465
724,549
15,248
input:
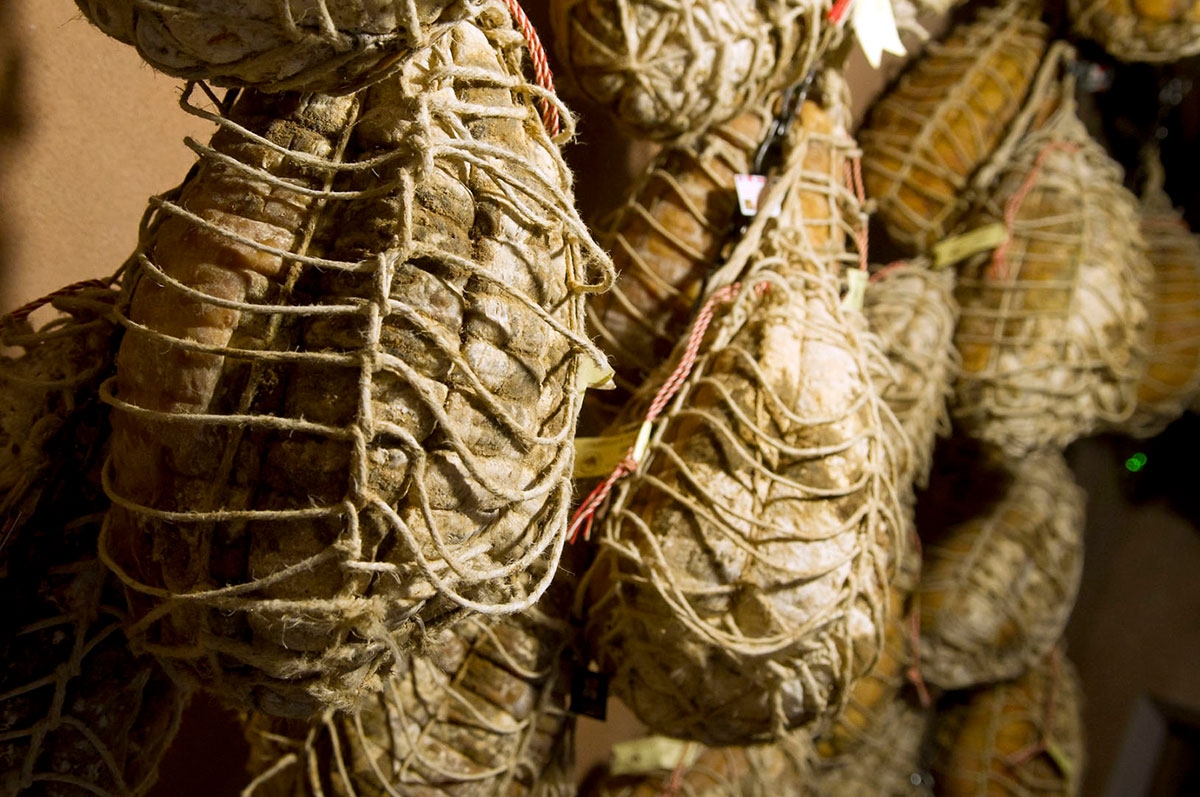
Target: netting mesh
x,y
277,45
763,770
997,587
913,311
480,712
79,713
671,68
1139,30
1052,331
1171,382
1022,738
742,572
345,402
947,116
889,761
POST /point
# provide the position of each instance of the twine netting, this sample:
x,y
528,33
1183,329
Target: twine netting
x,y
741,579
946,118
761,770
1155,31
79,713
913,311
1171,382
345,402
669,68
1052,331
482,711
1022,738
888,762
997,589
278,45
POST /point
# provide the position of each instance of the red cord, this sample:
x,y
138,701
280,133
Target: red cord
x,y
541,68
25,310
999,268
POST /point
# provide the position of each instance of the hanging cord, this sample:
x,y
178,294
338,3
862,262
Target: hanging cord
x,y
1050,709
999,268
541,67
629,464
24,311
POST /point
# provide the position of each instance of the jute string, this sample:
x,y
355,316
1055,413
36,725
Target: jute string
x,y
388,548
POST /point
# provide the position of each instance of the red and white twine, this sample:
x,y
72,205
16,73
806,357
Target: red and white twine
x,y
541,67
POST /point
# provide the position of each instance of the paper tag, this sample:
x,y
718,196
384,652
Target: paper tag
x,y
749,188
594,375
651,754
589,694
856,280
598,456
875,28
949,251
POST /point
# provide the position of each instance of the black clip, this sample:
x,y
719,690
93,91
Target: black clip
x,y
771,149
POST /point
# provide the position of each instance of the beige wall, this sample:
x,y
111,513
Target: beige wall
x,y
100,133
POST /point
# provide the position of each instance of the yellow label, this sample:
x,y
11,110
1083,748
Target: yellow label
x,y
596,457
1061,760
958,248
594,375
857,289
652,754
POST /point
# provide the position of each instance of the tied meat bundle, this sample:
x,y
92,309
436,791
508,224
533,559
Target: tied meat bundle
x,y
278,45
741,581
1155,31
675,68
345,402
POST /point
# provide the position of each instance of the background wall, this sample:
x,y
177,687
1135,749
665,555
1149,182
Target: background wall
x,y
90,133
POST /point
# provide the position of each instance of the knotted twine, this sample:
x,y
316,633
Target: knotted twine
x,y
741,578
78,711
1021,738
998,587
1052,331
278,45
345,404
760,770
948,116
668,69
1156,31
1171,382
481,711
913,311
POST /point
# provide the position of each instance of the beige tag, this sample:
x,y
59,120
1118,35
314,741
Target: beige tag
x,y
594,375
856,280
598,456
953,250
651,754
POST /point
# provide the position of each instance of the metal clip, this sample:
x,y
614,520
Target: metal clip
x,y
770,151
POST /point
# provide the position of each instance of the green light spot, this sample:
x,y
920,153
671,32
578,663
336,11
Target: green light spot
x,y
1136,462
